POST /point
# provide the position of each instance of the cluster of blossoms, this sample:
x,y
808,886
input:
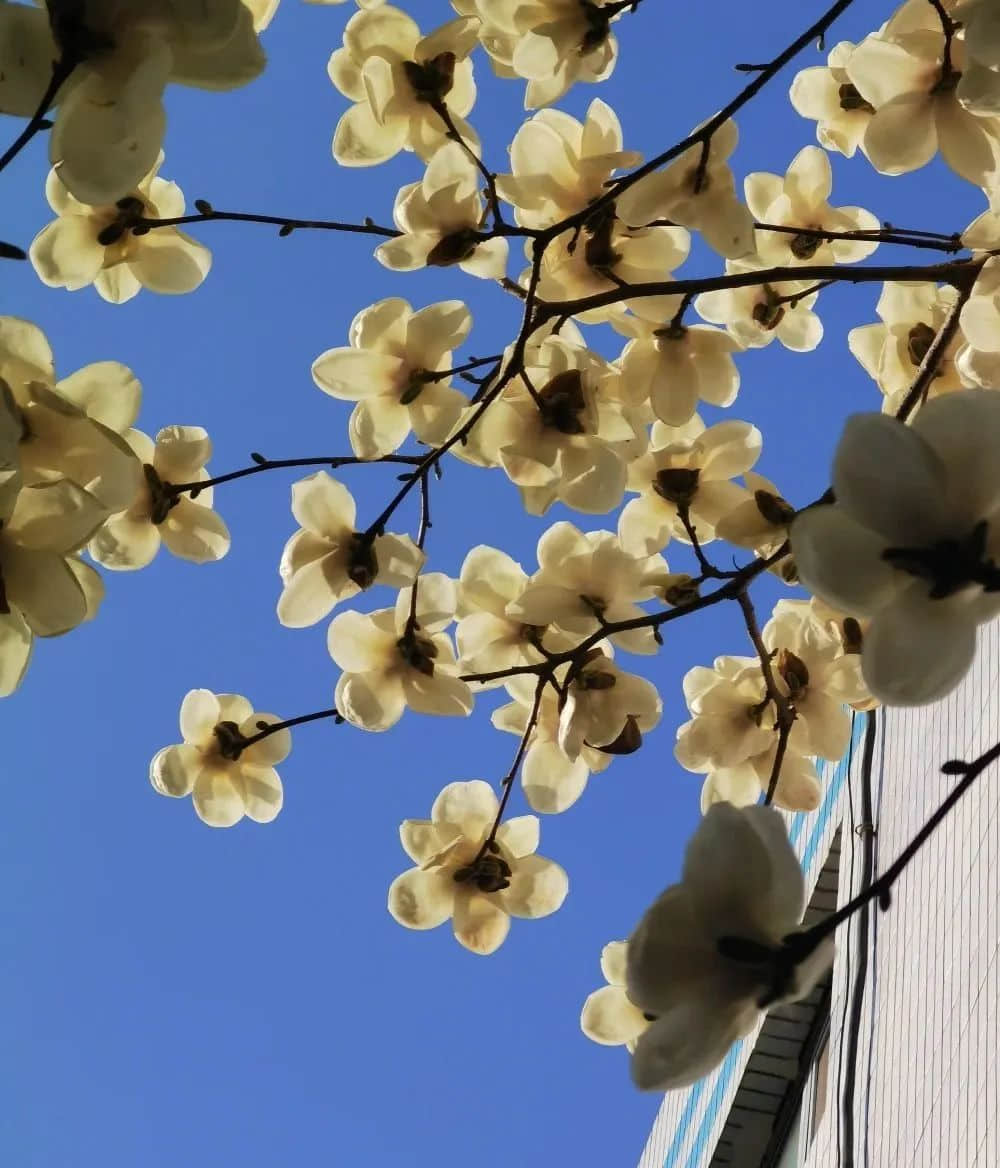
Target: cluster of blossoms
x,y
901,561
75,475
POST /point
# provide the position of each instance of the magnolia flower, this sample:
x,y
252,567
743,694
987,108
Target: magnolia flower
x,y
109,121
732,719
472,873
715,950
327,560
911,541
586,580
440,218
818,679
561,165
606,708
551,780
608,1017
62,435
760,521
688,470
607,255
396,369
396,77
226,761
757,314
551,43
912,315
391,662
695,193
566,438
901,72
188,526
673,366
980,318
800,200
488,640
96,245
827,96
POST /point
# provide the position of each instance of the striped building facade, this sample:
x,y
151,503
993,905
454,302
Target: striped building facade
x,y
892,1062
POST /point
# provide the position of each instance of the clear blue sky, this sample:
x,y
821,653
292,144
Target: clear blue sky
x,y
177,995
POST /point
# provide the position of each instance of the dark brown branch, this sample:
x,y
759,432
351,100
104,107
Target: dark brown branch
x,y
266,729
262,464
285,224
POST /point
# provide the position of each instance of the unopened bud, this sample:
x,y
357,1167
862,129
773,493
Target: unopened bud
x,y
680,589
793,671
851,635
774,508
362,565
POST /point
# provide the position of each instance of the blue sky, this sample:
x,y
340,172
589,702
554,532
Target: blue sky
x,y
175,994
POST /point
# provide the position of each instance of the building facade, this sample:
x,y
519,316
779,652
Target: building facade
x,y
892,1062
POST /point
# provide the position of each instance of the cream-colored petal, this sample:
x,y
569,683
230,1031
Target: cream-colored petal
x,y
263,795
15,651
608,1017
538,887
356,374
480,923
519,836
369,700
218,797
196,533
170,262
106,391
200,712
470,807
422,900
174,769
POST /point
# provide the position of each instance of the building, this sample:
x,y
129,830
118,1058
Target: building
x,y
893,1061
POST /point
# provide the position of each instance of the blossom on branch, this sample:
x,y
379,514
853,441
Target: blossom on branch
x,y
799,199
226,777
911,541
396,78
396,368
757,314
472,873
687,471
391,661
188,526
550,43
327,560
827,96
97,245
717,949
441,218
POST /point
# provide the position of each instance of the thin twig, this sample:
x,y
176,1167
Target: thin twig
x,y
262,464
60,71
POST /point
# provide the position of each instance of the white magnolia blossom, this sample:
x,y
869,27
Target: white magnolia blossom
x,y
390,662
566,438
551,780
800,199
96,245
797,788
608,1017
559,165
441,218
817,678
109,119
550,43
911,541
757,314
396,368
226,778
733,719
488,639
709,955
687,467
188,526
586,579
607,254
696,194
901,72
673,366
606,709
394,76
827,96
327,560
760,521
471,875
912,315
63,424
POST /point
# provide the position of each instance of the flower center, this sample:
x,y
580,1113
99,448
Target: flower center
x,y
128,213
598,24
431,81
453,248
561,402
850,99
768,313
161,498
804,246
950,564
418,652
362,566
230,742
489,872
918,340
677,484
